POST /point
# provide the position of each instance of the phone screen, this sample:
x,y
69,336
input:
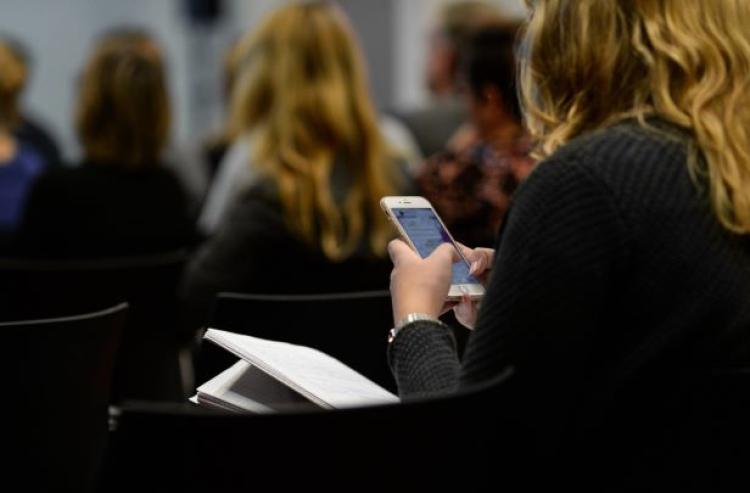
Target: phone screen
x,y
426,231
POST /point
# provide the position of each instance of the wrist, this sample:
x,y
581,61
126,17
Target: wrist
x,y
406,320
402,310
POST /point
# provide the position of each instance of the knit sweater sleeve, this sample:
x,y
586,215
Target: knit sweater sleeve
x,y
557,259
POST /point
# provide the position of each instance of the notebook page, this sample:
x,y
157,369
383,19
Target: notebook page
x,y
220,389
245,387
314,374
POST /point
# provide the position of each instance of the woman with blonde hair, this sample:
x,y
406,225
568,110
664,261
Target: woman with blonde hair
x,y
233,175
623,267
120,201
306,218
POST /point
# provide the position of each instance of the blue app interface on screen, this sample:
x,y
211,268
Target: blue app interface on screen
x,y
426,232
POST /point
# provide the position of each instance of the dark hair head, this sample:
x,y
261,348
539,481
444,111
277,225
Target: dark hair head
x,y
123,106
491,62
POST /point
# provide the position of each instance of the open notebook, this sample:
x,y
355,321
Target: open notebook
x,y
273,376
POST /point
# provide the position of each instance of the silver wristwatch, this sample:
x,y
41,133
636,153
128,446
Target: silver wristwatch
x,y
412,317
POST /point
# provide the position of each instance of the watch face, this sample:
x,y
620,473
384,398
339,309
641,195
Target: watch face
x,y
391,335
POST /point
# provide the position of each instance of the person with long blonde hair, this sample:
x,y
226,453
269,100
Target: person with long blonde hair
x,y
318,165
622,273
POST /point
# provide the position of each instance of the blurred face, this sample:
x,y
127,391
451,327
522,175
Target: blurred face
x,y
485,111
441,65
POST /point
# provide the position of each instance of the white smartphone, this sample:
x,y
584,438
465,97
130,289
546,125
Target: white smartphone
x,y
420,226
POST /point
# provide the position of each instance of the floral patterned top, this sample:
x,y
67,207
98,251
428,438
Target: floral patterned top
x,y
471,189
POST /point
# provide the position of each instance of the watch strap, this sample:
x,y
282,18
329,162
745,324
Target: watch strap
x,y
410,318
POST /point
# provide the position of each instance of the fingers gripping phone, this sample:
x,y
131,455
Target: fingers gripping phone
x,y
420,226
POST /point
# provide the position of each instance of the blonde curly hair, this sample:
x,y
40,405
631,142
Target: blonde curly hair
x,y
587,64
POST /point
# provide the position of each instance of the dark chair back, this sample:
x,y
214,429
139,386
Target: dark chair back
x,y
463,442
56,385
420,446
351,327
147,365
687,431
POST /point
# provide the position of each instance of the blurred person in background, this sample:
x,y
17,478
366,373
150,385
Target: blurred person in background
x,y
228,153
309,221
120,201
457,23
20,162
28,129
471,182
434,124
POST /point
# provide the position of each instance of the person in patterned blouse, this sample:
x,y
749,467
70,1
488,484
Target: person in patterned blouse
x,y
471,182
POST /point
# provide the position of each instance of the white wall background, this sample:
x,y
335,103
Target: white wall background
x,y
59,34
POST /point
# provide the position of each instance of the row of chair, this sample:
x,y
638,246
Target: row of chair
x,y
58,379
61,436
81,335
60,373
461,442
148,360
152,362
61,426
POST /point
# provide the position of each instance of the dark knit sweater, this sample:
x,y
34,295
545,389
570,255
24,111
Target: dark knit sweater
x,y
254,251
611,269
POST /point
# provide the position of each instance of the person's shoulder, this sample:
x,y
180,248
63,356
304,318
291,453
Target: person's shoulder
x,y
54,189
163,172
255,220
154,178
259,201
27,159
630,166
60,175
86,171
626,147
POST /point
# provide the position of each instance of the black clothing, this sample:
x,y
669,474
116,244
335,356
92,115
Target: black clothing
x,y
103,210
254,251
37,137
611,271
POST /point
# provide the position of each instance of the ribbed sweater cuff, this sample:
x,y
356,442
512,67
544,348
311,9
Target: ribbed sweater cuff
x,y
423,359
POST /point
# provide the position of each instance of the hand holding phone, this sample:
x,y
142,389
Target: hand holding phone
x,y
420,226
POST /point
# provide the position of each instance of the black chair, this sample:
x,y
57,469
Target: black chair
x,y
351,327
56,383
678,435
383,448
148,365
